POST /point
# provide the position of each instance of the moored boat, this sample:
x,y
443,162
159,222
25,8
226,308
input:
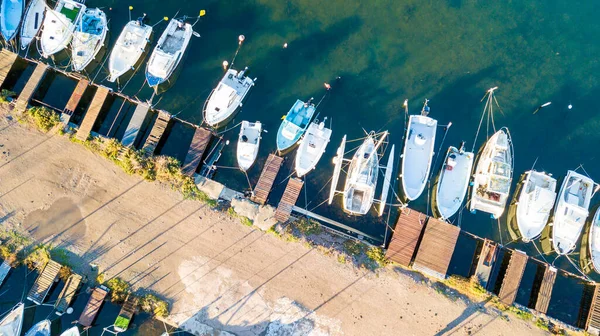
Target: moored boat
x,y
74,331
248,144
312,146
88,38
12,323
294,124
11,14
225,99
534,203
571,211
41,328
128,49
59,25
34,16
594,242
453,182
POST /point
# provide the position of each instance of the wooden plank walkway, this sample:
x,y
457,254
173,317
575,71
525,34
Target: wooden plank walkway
x,y
4,269
436,248
487,258
406,236
290,196
267,178
44,282
512,278
7,59
133,128
157,131
545,293
67,294
32,84
76,96
196,151
593,320
127,311
92,113
93,306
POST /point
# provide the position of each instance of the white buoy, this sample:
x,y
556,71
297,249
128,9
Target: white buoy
x,y
570,106
70,310
241,38
285,45
225,64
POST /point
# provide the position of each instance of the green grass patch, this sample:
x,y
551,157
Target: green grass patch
x,y
119,289
307,227
6,96
353,247
43,118
376,255
153,305
38,257
246,221
542,324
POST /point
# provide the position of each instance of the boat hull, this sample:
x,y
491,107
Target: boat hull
x,y
534,202
34,16
85,46
129,48
12,323
248,144
417,155
56,35
359,189
41,328
312,147
225,100
452,183
294,125
11,13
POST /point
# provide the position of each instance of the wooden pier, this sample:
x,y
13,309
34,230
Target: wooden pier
x,y
32,84
593,321
436,248
512,278
92,308
157,131
92,113
267,178
44,282
486,261
196,151
408,229
75,98
67,294
290,196
7,59
133,128
545,292
4,269
126,313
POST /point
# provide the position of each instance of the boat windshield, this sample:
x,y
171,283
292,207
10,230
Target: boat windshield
x,y
500,169
499,184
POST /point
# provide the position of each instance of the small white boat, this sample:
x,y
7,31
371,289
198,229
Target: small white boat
x,y
453,181
227,97
10,18
74,331
312,147
12,323
34,16
130,46
534,204
59,25
41,328
248,143
168,52
571,211
88,38
493,175
594,241
295,124
418,153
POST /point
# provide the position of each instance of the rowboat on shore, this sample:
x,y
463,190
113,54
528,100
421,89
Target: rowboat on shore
x,y
312,147
11,13
88,38
128,49
294,124
12,323
534,203
41,328
248,144
59,25
34,16
227,97
453,182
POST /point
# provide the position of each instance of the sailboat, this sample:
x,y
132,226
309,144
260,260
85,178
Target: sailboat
x,y
594,241
294,124
534,203
10,18
168,52
248,143
312,147
41,328
225,99
130,46
74,331
453,181
418,153
88,38
12,323
571,211
59,25
34,16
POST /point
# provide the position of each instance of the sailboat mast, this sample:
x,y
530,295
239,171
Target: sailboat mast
x,y
385,133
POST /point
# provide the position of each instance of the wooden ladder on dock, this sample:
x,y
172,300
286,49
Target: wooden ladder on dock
x,y
44,282
157,131
290,196
512,277
267,178
32,84
545,293
67,294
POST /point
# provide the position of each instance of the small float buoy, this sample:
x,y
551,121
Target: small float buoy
x,y
225,64
285,45
570,106
241,38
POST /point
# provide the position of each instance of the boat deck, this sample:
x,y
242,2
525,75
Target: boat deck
x,y
4,269
196,151
32,84
133,128
7,59
267,178
92,113
290,196
486,261
157,131
93,306
67,294
512,278
75,98
436,248
44,282
406,235
545,293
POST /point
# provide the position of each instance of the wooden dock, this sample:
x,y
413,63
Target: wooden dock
x,y
67,294
93,306
486,261
126,314
157,131
7,59
512,278
593,321
75,98
32,84
267,178
4,269
196,151
406,235
545,292
436,248
133,128
290,196
92,113
44,282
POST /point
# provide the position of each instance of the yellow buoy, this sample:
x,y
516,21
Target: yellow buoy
x,y
166,18
202,12
130,7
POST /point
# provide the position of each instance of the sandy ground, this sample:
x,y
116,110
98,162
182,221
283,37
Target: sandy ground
x,y
221,277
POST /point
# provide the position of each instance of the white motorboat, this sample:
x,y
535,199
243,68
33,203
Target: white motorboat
x,y
493,175
534,203
571,211
248,144
168,52
41,328
312,147
130,46
74,331
225,99
10,18
59,25
12,323
34,16
88,38
418,153
453,181
594,241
